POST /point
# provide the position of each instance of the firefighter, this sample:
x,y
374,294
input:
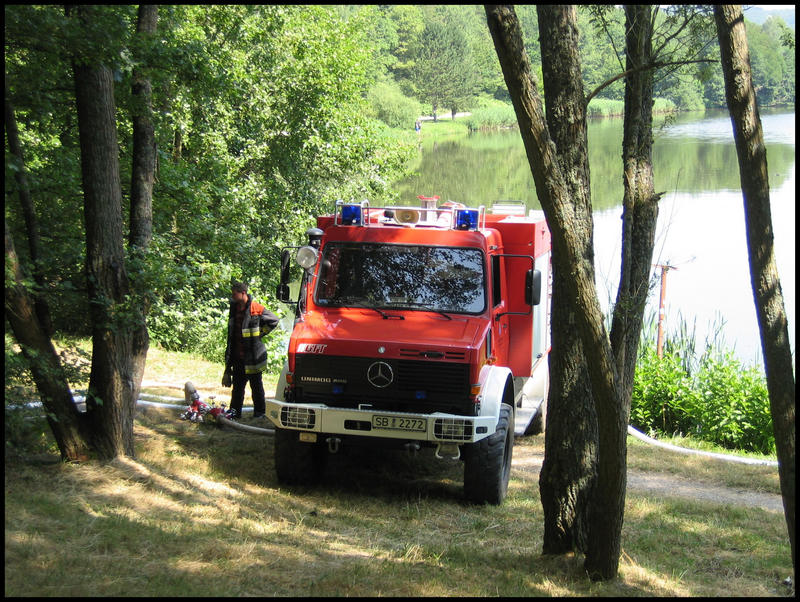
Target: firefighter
x,y
245,353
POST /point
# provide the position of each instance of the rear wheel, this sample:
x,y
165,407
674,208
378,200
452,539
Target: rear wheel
x,y
487,463
297,462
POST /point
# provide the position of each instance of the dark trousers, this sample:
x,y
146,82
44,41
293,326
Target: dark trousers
x,y
239,380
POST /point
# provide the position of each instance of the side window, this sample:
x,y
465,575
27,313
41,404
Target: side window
x,y
496,296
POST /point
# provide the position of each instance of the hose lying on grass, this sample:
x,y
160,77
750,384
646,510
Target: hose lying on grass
x,y
642,437
223,421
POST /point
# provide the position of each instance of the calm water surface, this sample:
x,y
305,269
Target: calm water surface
x,y
701,221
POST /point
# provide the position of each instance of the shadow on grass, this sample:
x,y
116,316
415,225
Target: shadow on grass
x,y
354,470
379,523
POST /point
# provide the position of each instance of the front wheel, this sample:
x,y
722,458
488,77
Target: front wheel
x,y
297,462
487,463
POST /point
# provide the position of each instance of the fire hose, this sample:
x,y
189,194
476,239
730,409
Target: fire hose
x,y
198,409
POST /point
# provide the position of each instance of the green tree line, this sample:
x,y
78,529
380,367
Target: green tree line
x,y
442,57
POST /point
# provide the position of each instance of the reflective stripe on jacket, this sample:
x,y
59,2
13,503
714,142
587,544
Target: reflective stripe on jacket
x,y
257,322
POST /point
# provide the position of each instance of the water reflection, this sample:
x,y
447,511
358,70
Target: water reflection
x,y
687,157
701,221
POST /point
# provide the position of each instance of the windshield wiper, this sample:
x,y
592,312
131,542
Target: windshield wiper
x,y
414,307
381,312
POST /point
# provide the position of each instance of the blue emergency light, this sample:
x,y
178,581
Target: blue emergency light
x,y
466,219
351,214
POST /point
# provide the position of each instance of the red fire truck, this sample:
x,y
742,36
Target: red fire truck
x,y
416,326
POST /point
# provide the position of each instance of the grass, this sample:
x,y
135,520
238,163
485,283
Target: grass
x,y
444,128
199,513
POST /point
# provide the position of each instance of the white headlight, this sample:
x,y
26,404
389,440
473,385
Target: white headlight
x,y
306,257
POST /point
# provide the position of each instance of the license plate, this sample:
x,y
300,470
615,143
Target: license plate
x,y
399,423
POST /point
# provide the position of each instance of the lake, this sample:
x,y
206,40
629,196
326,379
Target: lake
x,y
701,220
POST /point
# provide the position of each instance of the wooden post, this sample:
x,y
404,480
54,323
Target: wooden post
x,y
660,341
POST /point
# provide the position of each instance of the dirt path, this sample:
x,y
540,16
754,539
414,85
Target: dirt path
x,y
661,485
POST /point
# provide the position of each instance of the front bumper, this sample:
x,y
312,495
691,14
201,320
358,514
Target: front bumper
x,y
436,427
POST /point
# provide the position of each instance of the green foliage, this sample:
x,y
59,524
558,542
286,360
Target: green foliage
x,y
392,107
712,397
687,94
732,405
15,367
492,116
659,392
602,46
260,124
442,76
605,107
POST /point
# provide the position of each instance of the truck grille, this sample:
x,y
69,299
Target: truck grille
x,y
416,386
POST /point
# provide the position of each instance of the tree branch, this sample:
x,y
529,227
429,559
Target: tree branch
x,y
656,65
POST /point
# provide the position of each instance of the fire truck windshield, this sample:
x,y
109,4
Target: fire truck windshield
x,y
416,277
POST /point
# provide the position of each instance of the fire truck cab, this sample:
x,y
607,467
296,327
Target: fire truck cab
x,y
416,326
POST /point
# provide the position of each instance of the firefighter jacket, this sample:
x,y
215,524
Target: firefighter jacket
x,y
257,322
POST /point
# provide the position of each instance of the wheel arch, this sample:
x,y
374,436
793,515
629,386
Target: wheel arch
x,y
497,388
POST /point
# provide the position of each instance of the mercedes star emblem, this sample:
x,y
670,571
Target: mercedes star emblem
x,y
380,375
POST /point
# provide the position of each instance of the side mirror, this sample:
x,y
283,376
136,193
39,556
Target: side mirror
x,y
283,293
533,287
283,288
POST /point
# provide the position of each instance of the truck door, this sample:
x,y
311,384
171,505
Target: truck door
x,y
500,318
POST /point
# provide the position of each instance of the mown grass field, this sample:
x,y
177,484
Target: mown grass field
x,y
199,513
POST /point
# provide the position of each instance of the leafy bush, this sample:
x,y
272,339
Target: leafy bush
x,y
732,406
492,116
660,392
190,322
392,107
605,107
663,105
723,402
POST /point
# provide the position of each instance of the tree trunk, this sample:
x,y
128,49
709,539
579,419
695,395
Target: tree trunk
x,y
144,145
639,218
569,470
141,216
48,374
31,223
640,202
577,269
767,294
110,403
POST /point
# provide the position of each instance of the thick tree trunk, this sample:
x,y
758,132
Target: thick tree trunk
x,y
48,374
142,176
764,277
577,269
568,473
110,403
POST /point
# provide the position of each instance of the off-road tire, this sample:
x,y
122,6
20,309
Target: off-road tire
x,y
297,462
487,463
